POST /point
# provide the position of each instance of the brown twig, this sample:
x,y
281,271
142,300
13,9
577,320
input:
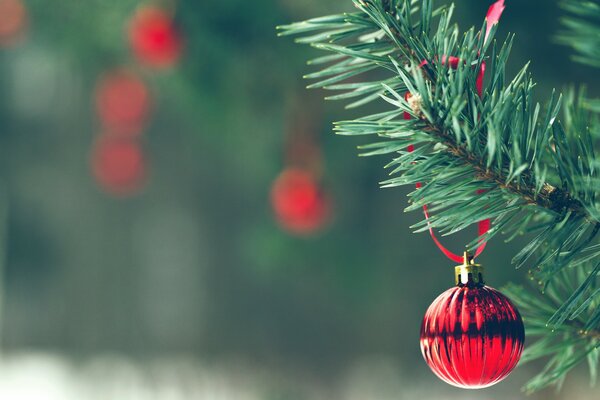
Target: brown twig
x,y
549,197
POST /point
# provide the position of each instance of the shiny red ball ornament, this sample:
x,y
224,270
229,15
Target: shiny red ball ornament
x,y
299,203
472,335
122,102
153,37
118,164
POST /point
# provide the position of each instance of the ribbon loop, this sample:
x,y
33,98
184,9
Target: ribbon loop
x,y
484,225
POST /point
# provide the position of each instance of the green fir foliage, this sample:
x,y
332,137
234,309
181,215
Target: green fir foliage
x,y
536,163
582,30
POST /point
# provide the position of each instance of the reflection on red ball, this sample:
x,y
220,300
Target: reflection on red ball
x,y
13,21
154,38
299,203
118,164
122,102
472,336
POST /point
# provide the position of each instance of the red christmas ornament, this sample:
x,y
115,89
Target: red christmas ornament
x,y
118,164
472,335
299,203
122,102
13,22
154,38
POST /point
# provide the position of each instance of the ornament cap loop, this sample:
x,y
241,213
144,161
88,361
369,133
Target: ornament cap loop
x,y
468,273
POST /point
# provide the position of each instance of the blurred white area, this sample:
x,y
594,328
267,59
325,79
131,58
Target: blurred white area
x,y
50,377
42,84
38,376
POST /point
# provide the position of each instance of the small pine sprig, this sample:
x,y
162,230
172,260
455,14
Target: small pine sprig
x,y
582,30
582,33
565,338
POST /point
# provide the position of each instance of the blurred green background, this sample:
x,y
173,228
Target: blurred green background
x,y
195,265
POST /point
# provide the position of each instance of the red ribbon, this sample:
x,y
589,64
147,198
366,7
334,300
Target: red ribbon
x,y
484,225
492,18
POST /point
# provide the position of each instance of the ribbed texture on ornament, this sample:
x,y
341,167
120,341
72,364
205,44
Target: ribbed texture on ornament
x,y
472,337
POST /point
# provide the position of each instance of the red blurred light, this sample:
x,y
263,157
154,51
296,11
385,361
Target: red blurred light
x,y
118,164
122,102
153,38
299,203
13,21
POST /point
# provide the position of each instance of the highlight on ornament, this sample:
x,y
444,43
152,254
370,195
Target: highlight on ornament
x,y
300,204
118,164
154,38
13,22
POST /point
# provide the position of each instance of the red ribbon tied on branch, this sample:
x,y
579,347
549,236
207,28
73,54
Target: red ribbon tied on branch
x,y
492,18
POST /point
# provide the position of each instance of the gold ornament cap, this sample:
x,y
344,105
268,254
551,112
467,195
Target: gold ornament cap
x,y
468,273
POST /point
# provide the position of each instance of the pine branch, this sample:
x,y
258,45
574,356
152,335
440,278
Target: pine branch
x,y
567,344
538,171
549,197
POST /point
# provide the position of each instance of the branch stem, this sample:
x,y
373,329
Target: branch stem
x,y
550,197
